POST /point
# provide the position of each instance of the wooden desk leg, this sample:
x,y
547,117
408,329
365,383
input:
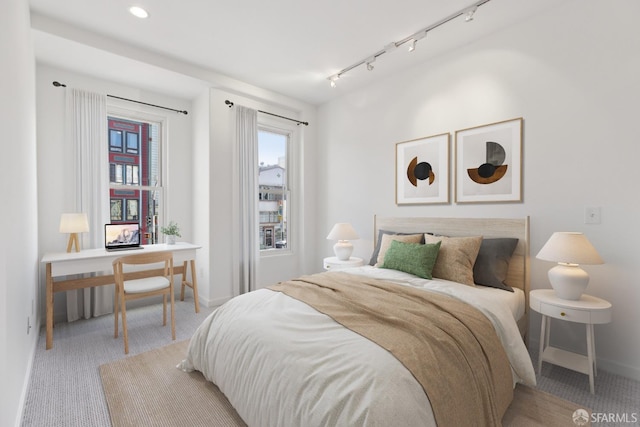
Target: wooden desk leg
x,y
194,282
543,341
184,280
49,304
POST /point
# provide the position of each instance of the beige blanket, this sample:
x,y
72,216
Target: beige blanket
x,y
450,347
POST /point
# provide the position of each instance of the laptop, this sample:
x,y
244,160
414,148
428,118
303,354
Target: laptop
x,y
122,236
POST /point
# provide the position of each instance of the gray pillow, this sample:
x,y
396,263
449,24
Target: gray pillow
x,y
376,249
492,262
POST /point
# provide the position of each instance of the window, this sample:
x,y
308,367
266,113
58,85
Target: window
x,y
135,189
273,194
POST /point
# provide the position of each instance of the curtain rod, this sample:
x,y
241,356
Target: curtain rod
x,y
58,84
230,104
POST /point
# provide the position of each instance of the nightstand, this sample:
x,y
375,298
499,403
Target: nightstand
x,y
588,310
333,263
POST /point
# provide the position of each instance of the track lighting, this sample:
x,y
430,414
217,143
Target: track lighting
x,y
390,47
370,62
469,15
412,40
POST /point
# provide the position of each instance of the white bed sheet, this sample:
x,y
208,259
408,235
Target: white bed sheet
x,y
280,362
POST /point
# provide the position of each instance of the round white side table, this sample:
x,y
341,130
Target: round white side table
x,y
333,263
588,310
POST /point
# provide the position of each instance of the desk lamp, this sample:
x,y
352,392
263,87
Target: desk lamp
x,y
343,232
74,223
569,249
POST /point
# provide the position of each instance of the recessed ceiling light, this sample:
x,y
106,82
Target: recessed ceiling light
x,y
139,12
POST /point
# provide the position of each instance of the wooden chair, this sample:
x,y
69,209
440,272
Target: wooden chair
x,y
142,284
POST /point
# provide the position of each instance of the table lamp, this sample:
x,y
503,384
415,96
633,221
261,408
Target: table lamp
x,y
569,249
74,223
343,232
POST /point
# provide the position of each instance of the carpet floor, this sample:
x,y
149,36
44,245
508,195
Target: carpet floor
x,y
136,393
65,388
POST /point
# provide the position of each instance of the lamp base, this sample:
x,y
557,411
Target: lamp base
x,y
569,281
73,241
343,250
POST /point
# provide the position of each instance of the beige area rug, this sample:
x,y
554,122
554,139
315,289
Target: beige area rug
x,y
148,390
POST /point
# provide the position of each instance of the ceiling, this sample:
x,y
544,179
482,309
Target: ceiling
x,y
289,47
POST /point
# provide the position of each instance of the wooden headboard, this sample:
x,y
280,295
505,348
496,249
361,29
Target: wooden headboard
x,y
518,275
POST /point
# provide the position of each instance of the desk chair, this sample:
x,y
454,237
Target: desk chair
x,y
142,284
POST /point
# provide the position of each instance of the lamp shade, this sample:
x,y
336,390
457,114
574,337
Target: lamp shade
x,y
569,248
342,231
74,223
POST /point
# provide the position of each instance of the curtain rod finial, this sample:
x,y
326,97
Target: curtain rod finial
x,y
58,84
229,103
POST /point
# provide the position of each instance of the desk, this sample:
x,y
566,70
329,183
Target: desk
x,y
99,260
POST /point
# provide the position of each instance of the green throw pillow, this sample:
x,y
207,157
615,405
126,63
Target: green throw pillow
x,y
414,258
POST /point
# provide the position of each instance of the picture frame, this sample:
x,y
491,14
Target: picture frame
x,y
422,170
488,163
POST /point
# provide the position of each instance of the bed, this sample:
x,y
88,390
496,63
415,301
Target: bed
x,y
377,345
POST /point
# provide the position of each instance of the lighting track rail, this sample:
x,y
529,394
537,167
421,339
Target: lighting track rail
x,y
413,39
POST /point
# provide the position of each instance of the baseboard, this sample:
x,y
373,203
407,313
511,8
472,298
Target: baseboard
x,y
27,376
619,369
216,302
607,365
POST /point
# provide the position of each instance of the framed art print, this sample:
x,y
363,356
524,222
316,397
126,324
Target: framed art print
x,y
422,170
489,163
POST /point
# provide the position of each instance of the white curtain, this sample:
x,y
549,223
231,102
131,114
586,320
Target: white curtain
x,y
87,130
247,144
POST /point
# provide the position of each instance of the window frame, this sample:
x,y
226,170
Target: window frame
x,y
163,147
267,124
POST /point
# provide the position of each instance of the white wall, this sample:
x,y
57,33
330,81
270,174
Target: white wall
x,y
572,74
55,157
19,242
201,181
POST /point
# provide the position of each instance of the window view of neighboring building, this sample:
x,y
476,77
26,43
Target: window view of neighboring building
x,y
272,192
134,175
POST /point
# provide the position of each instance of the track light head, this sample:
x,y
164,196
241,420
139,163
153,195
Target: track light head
x,y
469,15
333,79
370,62
415,38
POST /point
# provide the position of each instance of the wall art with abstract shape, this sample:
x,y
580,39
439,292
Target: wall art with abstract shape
x,y
489,163
422,170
